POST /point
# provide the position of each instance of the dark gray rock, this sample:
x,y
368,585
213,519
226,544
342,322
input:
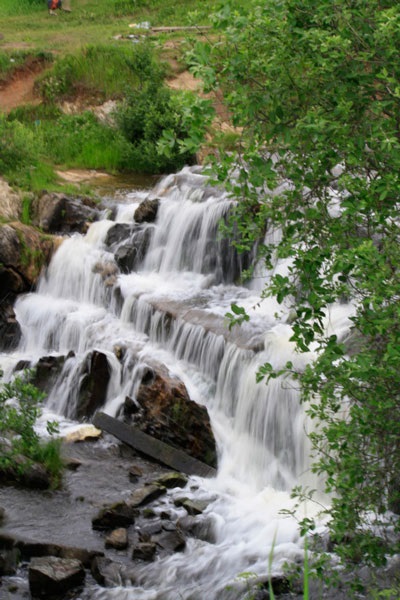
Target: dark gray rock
x,y
56,213
49,575
93,390
47,371
198,527
147,211
146,494
118,233
170,541
119,514
106,572
172,480
144,551
129,255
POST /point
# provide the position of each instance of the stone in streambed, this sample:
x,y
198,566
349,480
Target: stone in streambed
x,y
117,539
119,514
49,576
146,494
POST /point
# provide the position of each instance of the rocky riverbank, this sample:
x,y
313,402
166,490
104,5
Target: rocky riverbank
x,y
114,511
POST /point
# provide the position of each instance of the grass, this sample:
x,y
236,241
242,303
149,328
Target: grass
x,y
26,24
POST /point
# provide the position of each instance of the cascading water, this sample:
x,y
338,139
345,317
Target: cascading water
x,y
171,308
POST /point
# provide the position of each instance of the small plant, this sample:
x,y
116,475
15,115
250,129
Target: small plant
x,y
20,444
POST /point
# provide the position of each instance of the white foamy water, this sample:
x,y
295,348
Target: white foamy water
x,y
83,303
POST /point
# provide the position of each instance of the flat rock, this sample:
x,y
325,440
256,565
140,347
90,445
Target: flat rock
x,y
49,575
146,494
172,480
119,514
83,434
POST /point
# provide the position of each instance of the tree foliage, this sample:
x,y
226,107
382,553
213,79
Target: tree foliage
x,y
314,86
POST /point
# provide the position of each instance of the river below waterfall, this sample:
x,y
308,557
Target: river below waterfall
x,y
169,306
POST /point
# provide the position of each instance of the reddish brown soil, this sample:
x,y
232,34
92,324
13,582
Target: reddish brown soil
x,y
20,88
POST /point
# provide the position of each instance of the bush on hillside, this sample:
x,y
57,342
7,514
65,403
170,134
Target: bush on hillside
x,y
143,118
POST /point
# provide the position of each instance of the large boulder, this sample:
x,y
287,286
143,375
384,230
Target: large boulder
x,y
49,576
47,371
24,252
56,213
93,390
147,211
167,413
129,244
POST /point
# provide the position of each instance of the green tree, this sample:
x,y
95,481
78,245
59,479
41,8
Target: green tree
x,y
314,86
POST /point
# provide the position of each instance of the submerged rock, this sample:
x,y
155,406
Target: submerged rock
x,y
49,575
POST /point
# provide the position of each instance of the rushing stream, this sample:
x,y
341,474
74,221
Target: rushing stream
x,y
187,272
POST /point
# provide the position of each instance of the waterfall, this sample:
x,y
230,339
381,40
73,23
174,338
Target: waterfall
x,y
172,308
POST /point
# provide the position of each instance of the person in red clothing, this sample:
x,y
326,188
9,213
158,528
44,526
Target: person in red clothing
x,y
53,5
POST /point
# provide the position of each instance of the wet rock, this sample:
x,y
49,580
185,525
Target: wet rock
x,y
130,407
168,414
72,464
118,233
128,256
57,213
147,211
49,575
23,254
172,480
47,371
146,494
106,572
149,529
170,541
117,539
119,514
93,390
10,330
9,559
193,507
197,527
144,551
134,473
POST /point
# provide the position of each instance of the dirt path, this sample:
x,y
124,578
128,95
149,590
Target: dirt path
x,y
20,90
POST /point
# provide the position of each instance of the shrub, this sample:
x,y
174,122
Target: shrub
x,y
143,118
19,410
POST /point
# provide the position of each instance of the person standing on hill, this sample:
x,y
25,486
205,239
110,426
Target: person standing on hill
x,y
54,4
